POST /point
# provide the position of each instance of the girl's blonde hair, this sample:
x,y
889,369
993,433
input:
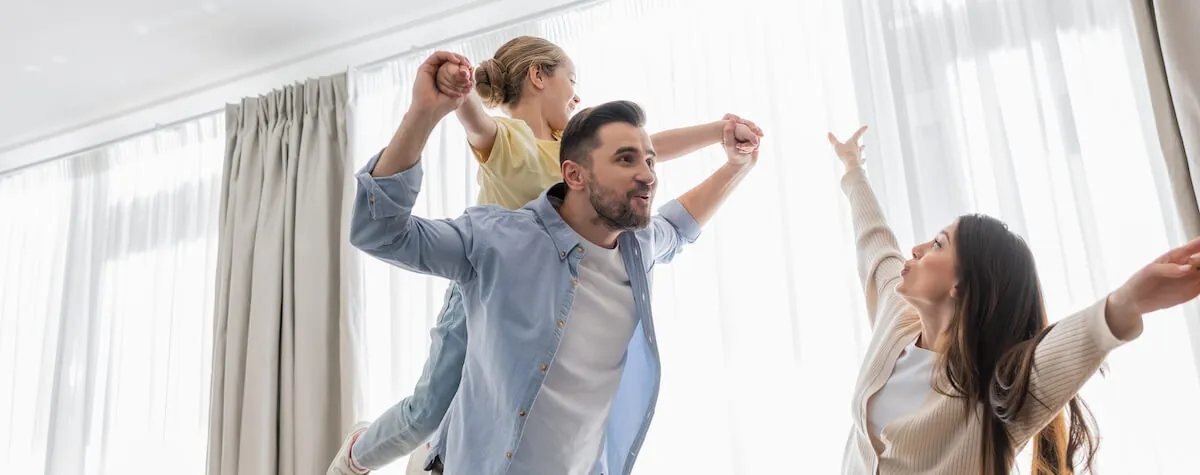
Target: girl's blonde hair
x,y
500,80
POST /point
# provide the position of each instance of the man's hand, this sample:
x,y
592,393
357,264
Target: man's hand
x,y
745,132
457,78
427,99
740,151
429,106
740,139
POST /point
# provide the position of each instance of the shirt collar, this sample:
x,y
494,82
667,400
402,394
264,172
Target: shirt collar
x,y
566,240
546,208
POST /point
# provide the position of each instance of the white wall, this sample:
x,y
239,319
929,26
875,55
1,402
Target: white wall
x,y
420,32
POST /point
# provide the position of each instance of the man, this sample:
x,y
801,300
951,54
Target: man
x,y
557,296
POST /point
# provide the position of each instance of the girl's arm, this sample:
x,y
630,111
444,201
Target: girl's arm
x,y
480,127
675,143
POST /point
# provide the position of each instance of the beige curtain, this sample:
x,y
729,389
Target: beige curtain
x,y
1169,33
282,389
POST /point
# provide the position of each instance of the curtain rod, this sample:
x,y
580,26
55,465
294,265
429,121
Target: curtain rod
x,y
110,142
569,6
566,7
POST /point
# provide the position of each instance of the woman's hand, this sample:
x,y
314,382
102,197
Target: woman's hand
x,y
849,152
1172,279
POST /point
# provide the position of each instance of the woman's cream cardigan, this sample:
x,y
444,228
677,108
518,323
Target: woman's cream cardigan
x,y
939,438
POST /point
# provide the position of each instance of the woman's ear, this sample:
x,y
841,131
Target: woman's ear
x,y
536,77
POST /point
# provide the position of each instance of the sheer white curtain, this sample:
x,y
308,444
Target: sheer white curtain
x,y
1037,113
761,322
106,276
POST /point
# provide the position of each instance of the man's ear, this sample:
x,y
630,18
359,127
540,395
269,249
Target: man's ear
x,y
574,175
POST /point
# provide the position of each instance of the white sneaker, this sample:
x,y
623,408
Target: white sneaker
x,y
341,464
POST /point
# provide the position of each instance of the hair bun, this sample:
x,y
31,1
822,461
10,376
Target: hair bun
x,y
490,83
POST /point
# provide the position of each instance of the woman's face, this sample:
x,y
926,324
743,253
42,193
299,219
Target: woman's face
x,y
930,277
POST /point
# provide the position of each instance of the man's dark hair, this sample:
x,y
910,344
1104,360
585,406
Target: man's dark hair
x,y
580,137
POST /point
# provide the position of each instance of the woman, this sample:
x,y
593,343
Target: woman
x,y
963,369
533,82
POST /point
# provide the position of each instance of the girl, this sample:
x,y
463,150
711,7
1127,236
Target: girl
x,y
533,82
963,369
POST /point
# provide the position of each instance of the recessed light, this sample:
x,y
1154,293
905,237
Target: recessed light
x,y
32,68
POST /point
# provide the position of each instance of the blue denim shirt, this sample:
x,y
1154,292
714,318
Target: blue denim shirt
x,y
517,273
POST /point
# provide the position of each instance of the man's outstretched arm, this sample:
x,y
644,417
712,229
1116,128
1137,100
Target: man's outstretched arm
x,y
679,222
382,224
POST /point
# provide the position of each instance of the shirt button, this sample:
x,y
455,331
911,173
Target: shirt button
x,y
508,454
522,413
579,249
543,366
560,324
574,282
371,200
562,254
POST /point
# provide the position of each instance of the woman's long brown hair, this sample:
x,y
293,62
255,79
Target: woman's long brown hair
x,y
987,354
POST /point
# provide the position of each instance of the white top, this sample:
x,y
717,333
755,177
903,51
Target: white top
x,y
905,390
565,431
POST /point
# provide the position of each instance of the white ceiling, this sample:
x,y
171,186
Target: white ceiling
x,y
65,63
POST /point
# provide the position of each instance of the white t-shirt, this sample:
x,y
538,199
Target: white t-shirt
x,y
905,390
565,431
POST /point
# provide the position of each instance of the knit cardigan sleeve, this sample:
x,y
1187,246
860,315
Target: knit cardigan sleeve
x,y
879,258
1062,363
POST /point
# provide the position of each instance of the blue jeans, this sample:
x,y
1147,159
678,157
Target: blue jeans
x,y
403,428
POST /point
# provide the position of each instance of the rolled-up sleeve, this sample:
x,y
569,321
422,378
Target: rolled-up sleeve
x,y
674,228
383,226
388,197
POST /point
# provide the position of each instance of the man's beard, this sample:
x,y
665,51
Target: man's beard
x,y
613,209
